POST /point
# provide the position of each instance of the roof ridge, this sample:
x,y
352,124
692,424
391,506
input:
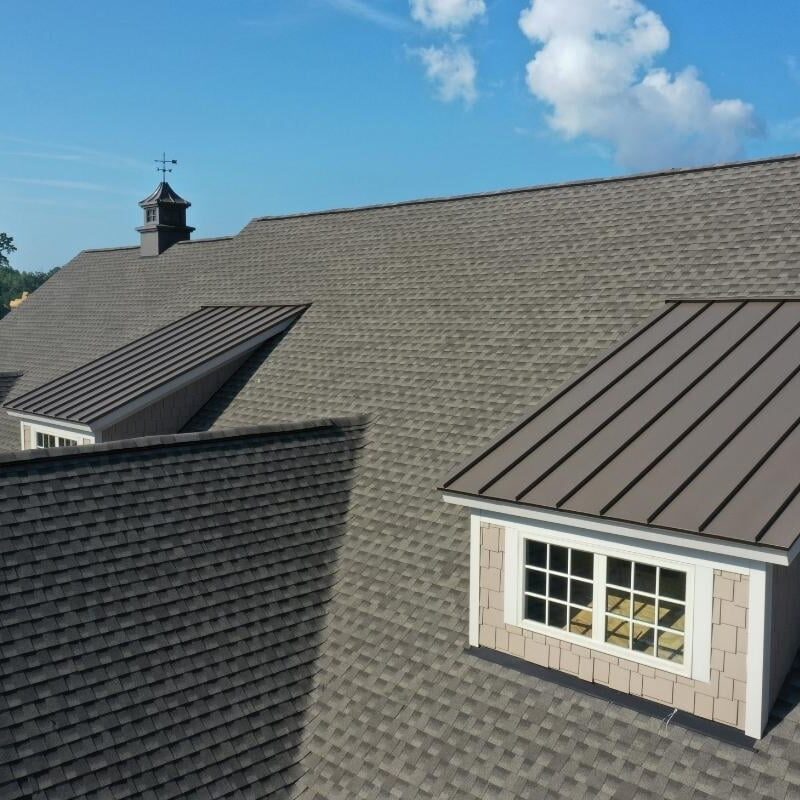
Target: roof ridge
x,y
177,439
209,239
534,188
109,249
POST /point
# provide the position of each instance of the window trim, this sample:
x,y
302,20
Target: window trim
x,y
699,596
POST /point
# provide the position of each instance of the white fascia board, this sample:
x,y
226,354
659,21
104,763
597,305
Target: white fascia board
x,y
51,422
737,557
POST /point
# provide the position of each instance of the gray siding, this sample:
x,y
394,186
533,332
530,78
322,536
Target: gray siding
x,y
172,412
785,623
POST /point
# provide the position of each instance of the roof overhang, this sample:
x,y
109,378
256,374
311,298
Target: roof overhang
x,y
642,535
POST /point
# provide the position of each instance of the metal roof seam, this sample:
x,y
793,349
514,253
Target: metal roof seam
x,y
82,368
107,362
163,355
128,372
702,376
518,426
748,476
196,349
697,422
629,402
516,461
728,439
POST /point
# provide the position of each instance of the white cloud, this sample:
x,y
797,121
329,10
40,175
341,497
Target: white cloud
x,y
595,69
446,13
452,68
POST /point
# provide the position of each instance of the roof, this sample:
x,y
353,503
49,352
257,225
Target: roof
x,y
116,379
445,321
689,424
164,193
7,381
162,607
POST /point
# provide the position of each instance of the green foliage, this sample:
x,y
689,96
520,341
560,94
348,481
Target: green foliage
x,y
6,248
13,282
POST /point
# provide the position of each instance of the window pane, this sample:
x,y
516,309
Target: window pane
x,y
618,632
644,608
619,572
619,602
558,558
558,615
582,564
643,640
645,578
535,581
580,621
671,615
558,587
673,584
534,609
535,554
580,593
670,646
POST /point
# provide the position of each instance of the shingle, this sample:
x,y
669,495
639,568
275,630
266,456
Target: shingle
x,y
217,652
443,321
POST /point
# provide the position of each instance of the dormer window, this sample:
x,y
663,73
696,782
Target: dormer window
x,y
44,440
149,215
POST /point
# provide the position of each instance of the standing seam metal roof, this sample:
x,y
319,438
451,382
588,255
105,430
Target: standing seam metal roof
x,y
114,380
691,424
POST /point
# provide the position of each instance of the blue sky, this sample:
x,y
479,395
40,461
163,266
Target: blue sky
x,y
278,106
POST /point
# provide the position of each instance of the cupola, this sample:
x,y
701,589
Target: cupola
x,y
164,218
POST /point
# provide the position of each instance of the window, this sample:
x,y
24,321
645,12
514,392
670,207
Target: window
x,y
51,440
618,604
646,609
150,215
559,587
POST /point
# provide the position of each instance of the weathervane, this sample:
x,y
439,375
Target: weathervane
x,y
163,169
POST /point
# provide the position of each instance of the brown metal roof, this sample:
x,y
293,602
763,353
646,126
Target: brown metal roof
x,y
691,423
114,380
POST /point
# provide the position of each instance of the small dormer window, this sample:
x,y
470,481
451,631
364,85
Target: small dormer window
x,y
149,215
44,440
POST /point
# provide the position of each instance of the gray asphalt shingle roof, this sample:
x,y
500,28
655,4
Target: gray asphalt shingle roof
x,y
162,608
445,321
689,424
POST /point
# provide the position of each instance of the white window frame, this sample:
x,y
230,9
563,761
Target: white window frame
x,y
699,597
64,433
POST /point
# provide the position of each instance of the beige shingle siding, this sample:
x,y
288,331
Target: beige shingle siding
x,y
722,699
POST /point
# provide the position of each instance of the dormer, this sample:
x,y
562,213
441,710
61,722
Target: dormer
x,y
164,220
639,529
152,385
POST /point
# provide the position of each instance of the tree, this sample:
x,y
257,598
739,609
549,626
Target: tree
x,y
14,282
6,248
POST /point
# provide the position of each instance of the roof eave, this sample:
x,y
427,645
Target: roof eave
x,y
717,545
